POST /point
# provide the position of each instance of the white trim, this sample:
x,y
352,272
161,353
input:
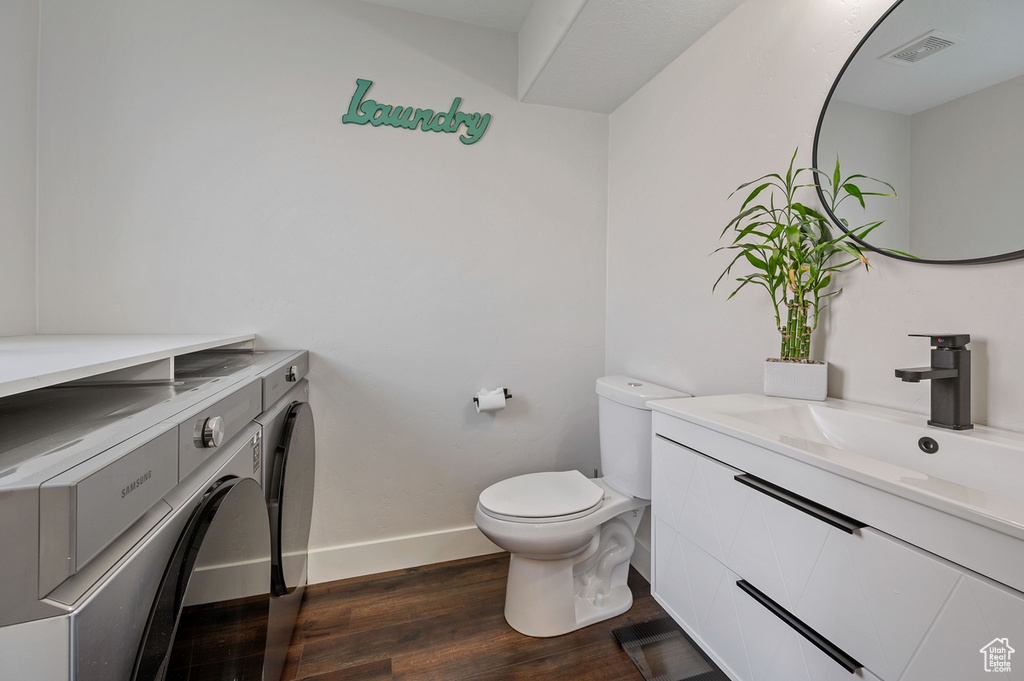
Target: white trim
x,y
228,581
367,558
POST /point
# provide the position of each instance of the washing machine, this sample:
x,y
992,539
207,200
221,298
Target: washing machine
x,y
289,469
211,611
135,533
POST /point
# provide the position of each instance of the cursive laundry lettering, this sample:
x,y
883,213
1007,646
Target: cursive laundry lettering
x,y
362,111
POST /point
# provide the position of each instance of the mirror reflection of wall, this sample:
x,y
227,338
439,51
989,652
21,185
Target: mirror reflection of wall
x,y
944,129
875,143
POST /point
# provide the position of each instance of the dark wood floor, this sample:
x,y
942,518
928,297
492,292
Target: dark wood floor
x,y
444,622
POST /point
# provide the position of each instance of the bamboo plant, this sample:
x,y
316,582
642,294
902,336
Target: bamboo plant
x,y
794,249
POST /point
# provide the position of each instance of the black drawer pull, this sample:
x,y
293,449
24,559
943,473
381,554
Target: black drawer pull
x,y
811,508
820,642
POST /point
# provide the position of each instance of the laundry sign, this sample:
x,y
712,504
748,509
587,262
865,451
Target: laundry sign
x,y
470,126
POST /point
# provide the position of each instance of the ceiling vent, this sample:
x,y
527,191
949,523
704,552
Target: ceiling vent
x,y
919,49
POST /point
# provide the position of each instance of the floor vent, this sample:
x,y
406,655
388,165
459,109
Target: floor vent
x,y
662,651
921,48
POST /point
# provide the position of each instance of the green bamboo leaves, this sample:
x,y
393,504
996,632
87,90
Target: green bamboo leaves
x,y
792,247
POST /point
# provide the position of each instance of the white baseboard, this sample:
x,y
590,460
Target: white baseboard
x,y
368,558
228,581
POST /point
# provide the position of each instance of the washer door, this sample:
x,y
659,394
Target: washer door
x,y
209,620
290,499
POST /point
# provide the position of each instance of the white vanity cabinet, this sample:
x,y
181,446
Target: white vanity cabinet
x,y
742,564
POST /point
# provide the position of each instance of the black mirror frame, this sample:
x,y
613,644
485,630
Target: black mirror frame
x,y
1002,257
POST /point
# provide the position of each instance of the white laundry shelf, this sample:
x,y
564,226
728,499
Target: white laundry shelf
x,y
31,362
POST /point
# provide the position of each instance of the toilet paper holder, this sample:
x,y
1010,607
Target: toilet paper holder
x,y
508,396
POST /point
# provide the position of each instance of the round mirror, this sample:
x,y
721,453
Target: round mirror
x,y
931,102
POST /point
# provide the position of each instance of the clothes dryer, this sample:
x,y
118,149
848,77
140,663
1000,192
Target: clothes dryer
x,y
162,523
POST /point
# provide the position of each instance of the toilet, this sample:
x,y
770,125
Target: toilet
x,y
571,537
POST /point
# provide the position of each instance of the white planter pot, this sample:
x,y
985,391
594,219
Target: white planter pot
x,y
796,379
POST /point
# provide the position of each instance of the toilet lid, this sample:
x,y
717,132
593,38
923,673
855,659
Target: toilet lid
x,y
542,495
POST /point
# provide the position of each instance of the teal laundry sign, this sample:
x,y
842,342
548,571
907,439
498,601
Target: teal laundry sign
x,y
361,111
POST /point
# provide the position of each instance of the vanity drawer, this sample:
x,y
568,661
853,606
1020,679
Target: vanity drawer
x,y
870,594
778,652
697,496
980,617
684,575
738,632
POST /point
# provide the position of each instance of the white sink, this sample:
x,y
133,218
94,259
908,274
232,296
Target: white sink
x,y
978,472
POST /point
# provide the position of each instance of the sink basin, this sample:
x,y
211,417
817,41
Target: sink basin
x,y
980,463
980,471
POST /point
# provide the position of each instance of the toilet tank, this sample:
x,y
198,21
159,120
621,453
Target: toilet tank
x,y
625,428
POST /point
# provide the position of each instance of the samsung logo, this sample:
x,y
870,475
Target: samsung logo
x,y
135,484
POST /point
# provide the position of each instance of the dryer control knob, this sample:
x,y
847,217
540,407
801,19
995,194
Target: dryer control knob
x,y
212,432
293,374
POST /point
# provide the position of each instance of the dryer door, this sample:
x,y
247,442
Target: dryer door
x,y
209,620
290,499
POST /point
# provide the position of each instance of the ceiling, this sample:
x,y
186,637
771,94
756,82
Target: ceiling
x,y
607,50
504,15
987,51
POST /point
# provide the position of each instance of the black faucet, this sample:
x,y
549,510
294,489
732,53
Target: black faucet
x,y
950,374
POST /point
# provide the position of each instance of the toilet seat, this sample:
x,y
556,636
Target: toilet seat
x,y
542,497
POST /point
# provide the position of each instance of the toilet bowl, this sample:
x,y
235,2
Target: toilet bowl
x,y
571,537
569,570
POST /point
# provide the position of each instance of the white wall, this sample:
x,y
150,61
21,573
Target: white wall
x,y
962,155
728,110
19,49
195,176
